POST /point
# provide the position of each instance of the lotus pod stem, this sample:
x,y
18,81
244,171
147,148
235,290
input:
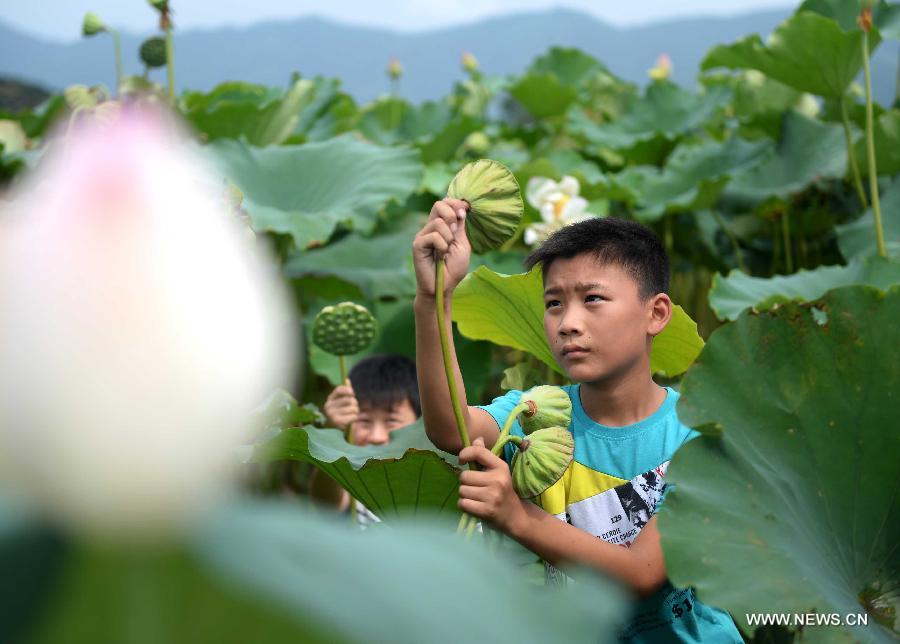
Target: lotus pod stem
x,y
870,145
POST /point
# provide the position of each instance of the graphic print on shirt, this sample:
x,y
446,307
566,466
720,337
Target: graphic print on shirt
x,y
619,514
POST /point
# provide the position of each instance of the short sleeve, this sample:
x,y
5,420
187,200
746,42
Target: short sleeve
x,y
499,409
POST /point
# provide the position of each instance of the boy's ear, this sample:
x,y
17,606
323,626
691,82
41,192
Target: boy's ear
x,y
660,309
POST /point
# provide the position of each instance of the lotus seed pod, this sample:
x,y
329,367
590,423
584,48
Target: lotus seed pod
x,y
159,5
548,407
153,52
541,460
92,25
343,329
495,203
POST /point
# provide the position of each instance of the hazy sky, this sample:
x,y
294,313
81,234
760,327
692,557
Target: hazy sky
x,y
61,19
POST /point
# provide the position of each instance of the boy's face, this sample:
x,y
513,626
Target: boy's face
x,y
374,424
595,321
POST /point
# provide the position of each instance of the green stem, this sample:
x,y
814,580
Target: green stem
x,y
786,240
738,253
348,433
504,436
851,156
170,65
448,368
445,354
120,71
870,149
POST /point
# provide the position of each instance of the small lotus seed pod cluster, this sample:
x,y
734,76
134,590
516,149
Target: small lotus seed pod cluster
x,y
343,329
541,460
495,203
547,407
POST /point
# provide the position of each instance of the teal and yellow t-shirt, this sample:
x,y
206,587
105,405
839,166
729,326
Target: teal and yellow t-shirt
x,y
611,490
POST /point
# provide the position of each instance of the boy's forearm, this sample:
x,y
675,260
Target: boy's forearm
x,y
437,408
640,567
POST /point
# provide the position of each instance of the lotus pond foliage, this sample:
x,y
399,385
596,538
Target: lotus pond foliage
x,y
773,183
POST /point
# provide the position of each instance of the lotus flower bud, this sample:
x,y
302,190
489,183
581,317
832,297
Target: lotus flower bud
x,y
92,25
548,407
477,142
541,460
495,203
663,68
344,329
395,69
139,331
469,62
153,52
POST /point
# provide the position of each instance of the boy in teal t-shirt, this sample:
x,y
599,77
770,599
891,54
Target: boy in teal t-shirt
x,y
605,284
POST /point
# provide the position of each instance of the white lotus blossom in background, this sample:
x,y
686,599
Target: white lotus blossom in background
x,y
558,203
137,328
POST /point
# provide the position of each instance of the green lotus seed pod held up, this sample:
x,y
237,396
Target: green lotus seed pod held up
x,y
92,24
548,406
495,202
343,329
153,52
541,460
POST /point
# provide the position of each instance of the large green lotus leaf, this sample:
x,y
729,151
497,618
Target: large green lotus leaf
x,y
397,584
665,110
759,102
857,239
406,476
257,114
330,113
788,502
380,265
306,190
543,94
886,129
268,571
443,145
885,17
693,175
808,52
571,66
509,310
808,151
729,296
393,120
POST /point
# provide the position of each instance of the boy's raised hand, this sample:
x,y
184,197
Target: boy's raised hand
x,y
341,407
444,235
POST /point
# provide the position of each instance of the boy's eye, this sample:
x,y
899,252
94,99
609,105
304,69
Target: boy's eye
x,y
551,303
594,298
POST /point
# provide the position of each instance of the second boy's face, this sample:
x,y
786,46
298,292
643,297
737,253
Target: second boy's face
x,y
594,319
374,424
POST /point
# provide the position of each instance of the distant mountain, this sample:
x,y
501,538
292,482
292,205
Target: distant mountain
x,y
267,53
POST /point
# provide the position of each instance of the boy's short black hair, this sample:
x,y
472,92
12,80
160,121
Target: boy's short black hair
x,y
611,240
385,380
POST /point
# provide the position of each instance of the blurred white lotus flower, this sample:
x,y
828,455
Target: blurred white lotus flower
x,y
558,203
137,328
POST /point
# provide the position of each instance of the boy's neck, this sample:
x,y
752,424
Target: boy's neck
x,y
625,402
